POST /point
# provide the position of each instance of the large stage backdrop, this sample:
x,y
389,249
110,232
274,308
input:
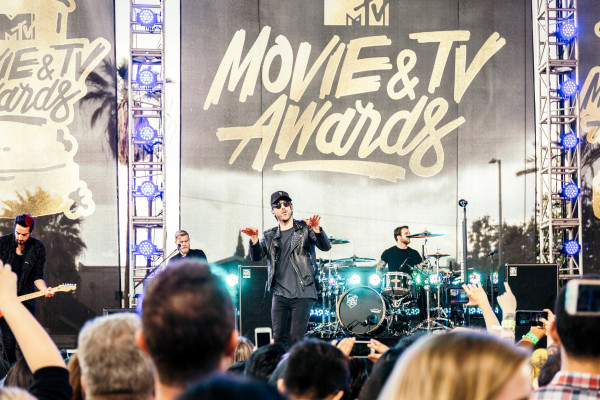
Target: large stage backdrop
x,y
371,113
57,147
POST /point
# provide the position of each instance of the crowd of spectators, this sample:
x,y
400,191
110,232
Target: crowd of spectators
x,y
185,346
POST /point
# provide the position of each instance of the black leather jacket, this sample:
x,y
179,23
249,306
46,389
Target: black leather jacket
x,y
302,256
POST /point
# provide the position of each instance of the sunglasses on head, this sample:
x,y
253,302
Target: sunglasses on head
x,y
280,204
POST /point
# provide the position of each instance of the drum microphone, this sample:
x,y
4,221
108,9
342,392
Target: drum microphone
x,y
462,203
492,253
371,320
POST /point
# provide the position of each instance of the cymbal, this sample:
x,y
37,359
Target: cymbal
x,y
333,240
438,255
424,234
353,259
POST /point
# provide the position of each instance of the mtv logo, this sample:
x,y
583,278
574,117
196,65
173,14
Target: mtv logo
x,y
17,27
357,12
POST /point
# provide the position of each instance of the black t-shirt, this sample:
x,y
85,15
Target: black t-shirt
x,y
17,265
193,253
401,260
287,283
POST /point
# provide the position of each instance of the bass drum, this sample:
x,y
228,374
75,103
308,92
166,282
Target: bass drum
x,y
361,310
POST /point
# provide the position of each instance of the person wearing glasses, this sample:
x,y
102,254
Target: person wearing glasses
x,y
291,267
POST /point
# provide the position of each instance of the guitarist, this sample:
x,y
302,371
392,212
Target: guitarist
x,y
27,256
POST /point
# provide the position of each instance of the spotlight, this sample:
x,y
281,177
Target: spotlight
x,y
146,134
417,278
434,279
569,141
567,31
146,248
571,247
374,280
146,78
148,189
568,88
570,191
494,278
474,277
146,17
231,279
354,279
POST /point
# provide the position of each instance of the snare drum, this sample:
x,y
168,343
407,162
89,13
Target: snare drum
x,y
396,284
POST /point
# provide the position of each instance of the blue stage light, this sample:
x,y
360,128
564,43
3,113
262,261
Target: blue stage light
x,y
232,279
569,141
354,279
146,17
569,88
374,280
148,189
494,278
571,247
474,277
570,191
146,248
146,78
567,31
146,134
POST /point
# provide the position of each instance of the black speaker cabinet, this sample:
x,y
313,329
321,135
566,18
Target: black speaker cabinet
x,y
252,281
535,287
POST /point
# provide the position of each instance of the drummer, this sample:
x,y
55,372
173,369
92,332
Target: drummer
x,y
400,258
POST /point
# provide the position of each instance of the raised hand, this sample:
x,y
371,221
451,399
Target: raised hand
x,y
476,294
252,232
508,301
313,222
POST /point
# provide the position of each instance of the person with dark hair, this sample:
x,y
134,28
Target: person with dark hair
x,y
577,337
231,388
187,326
291,266
263,361
316,370
19,375
400,258
182,240
26,255
549,369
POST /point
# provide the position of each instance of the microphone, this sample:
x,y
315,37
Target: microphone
x,y
178,246
492,253
462,203
371,320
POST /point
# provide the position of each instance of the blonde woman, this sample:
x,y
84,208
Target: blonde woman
x,y
460,365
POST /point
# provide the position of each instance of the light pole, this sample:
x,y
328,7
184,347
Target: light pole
x,y
499,162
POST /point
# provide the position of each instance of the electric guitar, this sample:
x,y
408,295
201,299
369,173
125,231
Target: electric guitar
x,y
66,287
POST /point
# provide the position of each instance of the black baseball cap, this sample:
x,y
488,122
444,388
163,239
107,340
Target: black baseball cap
x,y
278,195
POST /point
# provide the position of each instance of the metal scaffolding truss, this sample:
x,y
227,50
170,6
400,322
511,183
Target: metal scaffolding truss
x,y
557,114
147,156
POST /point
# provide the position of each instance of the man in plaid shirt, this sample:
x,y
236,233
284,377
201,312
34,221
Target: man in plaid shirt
x,y
578,338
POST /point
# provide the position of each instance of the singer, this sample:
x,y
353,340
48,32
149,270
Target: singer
x,y
182,240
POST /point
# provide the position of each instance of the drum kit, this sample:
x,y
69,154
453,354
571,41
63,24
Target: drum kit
x,y
381,309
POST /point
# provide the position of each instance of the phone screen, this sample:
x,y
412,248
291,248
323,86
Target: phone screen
x,y
262,338
588,298
360,349
530,318
458,296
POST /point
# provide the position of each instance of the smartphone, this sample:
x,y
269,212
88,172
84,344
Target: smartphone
x,y
458,295
262,336
530,318
360,349
582,297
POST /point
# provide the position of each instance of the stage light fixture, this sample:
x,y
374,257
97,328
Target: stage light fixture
x,y
474,277
146,78
569,141
569,88
417,278
146,17
232,280
146,248
567,31
571,247
146,134
354,279
494,278
570,191
374,280
148,189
